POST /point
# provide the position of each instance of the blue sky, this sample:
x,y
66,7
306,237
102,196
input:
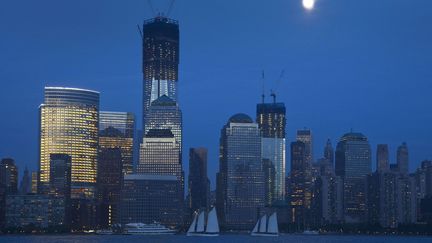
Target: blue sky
x,y
364,65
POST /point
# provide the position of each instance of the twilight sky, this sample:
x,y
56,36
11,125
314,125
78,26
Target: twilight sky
x,y
364,65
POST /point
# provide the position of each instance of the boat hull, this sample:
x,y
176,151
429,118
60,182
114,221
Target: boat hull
x,y
265,234
149,233
203,234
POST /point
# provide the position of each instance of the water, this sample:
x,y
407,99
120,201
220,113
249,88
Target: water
x,y
222,238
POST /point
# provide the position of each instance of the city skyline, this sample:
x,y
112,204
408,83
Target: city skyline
x,y
378,130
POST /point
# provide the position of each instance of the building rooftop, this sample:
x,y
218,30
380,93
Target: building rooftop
x,y
240,118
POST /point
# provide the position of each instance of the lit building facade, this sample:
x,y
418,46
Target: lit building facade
x,y
353,164
69,121
160,154
164,113
160,60
271,119
116,130
240,181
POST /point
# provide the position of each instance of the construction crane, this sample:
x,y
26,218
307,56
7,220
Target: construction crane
x,y
273,92
168,12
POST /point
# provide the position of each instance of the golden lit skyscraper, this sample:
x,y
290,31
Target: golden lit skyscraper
x,y
69,120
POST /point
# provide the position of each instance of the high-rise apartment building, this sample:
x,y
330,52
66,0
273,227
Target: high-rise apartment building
x,y
69,122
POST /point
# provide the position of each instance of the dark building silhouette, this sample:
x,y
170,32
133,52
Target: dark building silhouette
x,y
199,184
60,184
271,119
25,186
150,198
8,184
160,60
240,181
382,158
402,159
110,177
353,164
299,183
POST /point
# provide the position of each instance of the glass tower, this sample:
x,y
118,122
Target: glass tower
x,y
382,157
69,121
164,113
116,130
272,122
160,59
353,164
240,181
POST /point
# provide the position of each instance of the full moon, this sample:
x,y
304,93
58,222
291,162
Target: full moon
x,y
308,4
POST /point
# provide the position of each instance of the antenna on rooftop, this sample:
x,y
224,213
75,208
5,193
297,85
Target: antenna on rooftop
x,y
151,7
263,88
273,92
170,7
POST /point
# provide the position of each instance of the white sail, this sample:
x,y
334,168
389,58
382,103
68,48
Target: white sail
x,y
193,225
212,222
200,223
255,229
263,224
272,224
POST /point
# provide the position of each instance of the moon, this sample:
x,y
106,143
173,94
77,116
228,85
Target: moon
x,y
308,4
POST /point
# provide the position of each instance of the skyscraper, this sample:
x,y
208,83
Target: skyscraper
x,y
353,164
116,130
8,184
60,183
69,121
25,186
240,181
329,152
109,180
199,184
160,154
402,159
164,113
160,59
271,119
300,186
305,136
382,157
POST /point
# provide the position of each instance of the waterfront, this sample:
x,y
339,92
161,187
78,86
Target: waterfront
x,y
223,238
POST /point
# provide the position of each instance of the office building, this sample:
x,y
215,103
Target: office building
x,y
8,184
116,130
271,119
110,177
199,184
402,159
69,121
25,186
353,164
240,181
160,60
382,158
152,198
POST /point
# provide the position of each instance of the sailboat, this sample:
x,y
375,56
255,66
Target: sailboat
x,y
266,226
200,228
